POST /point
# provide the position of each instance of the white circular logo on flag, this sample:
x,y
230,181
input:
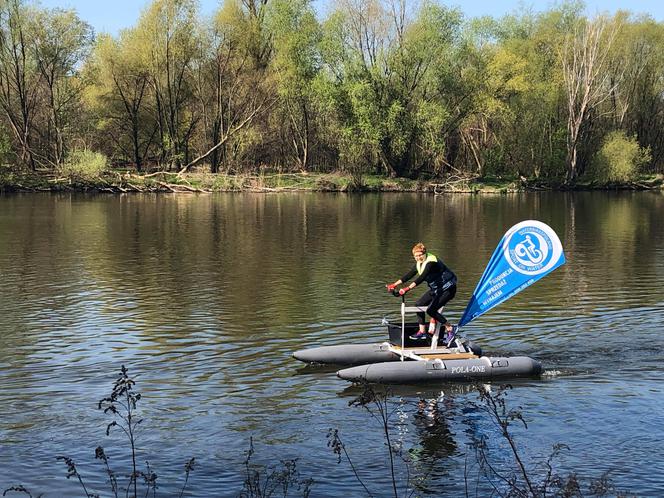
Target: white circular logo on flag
x,y
532,247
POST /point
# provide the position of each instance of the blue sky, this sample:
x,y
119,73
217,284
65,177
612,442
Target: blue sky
x,y
112,16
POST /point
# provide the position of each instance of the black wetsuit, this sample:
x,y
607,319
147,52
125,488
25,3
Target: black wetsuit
x,y
442,287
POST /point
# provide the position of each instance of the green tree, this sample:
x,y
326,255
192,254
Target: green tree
x,y
295,34
61,42
462,90
383,57
522,132
637,61
119,95
423,62
167,32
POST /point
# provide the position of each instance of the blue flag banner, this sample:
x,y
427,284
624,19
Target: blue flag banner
x,y
527,252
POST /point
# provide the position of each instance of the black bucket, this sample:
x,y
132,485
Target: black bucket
x,y
394,331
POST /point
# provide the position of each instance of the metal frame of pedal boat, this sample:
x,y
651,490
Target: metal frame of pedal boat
x,y
427,353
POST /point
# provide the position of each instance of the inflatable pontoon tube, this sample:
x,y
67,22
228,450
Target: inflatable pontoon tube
x,y
412,372
349,354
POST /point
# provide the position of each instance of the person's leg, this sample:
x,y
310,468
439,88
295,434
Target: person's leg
x,y
423,301
438,301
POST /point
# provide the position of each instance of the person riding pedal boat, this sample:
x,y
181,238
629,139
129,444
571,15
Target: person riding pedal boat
x,y
442,288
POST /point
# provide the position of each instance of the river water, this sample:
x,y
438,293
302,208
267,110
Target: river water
x,y
204,298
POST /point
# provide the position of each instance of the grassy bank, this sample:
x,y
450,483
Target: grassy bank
x,y
125,182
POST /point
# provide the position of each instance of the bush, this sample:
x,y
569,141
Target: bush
x,y
84,165
619,158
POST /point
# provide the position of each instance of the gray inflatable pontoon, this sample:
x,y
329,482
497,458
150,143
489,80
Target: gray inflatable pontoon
x,y
349,354
359,354
418,361
441,370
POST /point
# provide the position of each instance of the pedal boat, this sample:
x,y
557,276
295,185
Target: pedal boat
x,y
403,360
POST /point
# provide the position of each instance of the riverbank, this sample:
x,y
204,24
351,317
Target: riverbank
x,y
196,182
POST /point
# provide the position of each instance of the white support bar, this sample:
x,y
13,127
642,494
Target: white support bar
x,y
403,327
434,339
415,309
406,353
418,309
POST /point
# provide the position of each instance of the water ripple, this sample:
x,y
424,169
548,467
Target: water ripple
x,y
205,299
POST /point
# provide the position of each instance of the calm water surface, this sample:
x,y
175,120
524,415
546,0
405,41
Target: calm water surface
x,y
204,298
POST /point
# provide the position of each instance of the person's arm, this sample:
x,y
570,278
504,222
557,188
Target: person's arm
x,y
405,278
409,275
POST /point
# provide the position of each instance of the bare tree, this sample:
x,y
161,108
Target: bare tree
x,y
588,83
19,78
229,85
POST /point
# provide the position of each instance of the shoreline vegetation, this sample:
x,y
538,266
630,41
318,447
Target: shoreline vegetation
x,y
379,95
201,182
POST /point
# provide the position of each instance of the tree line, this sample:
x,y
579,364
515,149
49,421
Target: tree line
x,y
394,87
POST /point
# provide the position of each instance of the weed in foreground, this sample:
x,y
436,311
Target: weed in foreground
x,y
521,479
516,478
265,481
122,405
379,406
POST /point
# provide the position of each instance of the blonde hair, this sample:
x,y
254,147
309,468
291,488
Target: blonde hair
x,y
419,247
